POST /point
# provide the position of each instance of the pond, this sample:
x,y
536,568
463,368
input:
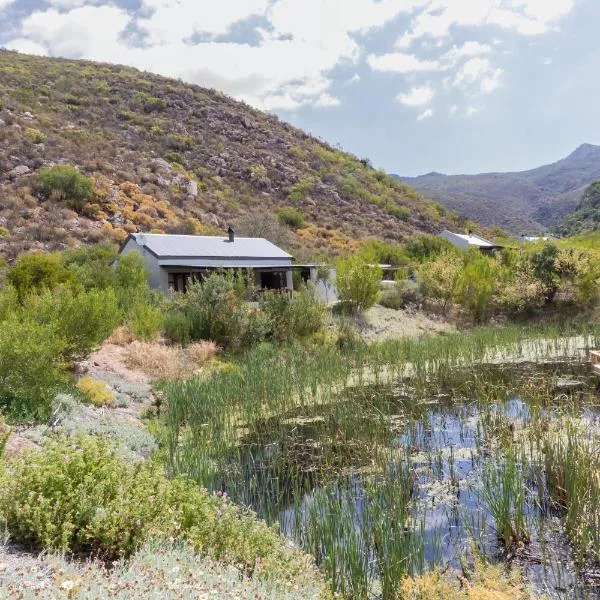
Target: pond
x,y
392,479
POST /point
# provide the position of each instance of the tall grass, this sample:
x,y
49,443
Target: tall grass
x,y
315,433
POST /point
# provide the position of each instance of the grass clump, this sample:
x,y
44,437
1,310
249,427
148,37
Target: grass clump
x,y
96,391
88,499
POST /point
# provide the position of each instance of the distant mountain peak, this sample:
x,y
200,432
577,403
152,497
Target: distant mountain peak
x,y
584,150
531,200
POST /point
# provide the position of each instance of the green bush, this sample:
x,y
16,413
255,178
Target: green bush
x,y
177,327
477,284
92,266
65,183
87,499
35,272
358,282
132,279
218,311
292,217
293,318
31,370
82,320
145,321
402,294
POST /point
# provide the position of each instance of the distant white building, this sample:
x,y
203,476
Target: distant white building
x,y
465,241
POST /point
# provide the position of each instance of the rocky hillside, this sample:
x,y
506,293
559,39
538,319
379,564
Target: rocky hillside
x,y
171,157
586,217
521,202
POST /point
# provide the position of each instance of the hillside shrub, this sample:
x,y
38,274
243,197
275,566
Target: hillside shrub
x,y
292,217
88,499
35,272
65,183
358,282
92,266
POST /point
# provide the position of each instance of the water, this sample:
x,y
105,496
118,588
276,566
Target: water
x,y
340,465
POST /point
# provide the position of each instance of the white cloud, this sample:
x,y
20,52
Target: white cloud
x,y
471,110
426,114
5,3
398,62
354,79
453,109
27,47
289,66
480,72
467,50
417,96
327,101
527,17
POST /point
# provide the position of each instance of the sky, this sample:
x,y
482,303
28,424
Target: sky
x,y
455,86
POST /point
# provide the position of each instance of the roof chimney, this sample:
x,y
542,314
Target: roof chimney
x,y
231,232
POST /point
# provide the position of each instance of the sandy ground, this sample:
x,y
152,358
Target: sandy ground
x,y
380,323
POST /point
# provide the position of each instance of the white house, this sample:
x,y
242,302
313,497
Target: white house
x,y
469,240
174,259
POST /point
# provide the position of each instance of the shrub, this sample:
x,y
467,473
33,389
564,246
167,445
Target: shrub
x,y
358,283
91,266
177,327
35,272
217,311
132,279
297,317
30,368
96,391
89,499
440,276
292,217
35,136
401,295
476,284
65,183
145,321
82,319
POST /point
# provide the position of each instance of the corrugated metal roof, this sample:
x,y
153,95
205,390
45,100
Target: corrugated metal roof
x,y
472,240
198,246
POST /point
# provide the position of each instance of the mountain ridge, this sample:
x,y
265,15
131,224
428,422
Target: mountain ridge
x,y
521,201
168,156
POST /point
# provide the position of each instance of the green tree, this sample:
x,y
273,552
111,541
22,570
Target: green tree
x,y
358,282
476,284
36,272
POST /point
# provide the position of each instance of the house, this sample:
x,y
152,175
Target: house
x,y
469,240
175,259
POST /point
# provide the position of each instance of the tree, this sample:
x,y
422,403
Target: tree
x,y
439,276
358,282
35,272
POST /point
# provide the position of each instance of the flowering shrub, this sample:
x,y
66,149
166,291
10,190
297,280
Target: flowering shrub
x,y
78,495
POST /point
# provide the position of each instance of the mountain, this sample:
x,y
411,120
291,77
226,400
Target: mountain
x,y
586,216
521,202
166,156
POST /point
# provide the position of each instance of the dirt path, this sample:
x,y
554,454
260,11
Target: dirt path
x,y
380,323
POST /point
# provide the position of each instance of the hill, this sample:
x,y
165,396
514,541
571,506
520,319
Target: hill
x,y
586,217
521,202
166,156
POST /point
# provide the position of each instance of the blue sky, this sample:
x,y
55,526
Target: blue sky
x,y
456,86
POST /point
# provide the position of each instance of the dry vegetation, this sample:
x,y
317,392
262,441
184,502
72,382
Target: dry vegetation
x,y
159,361
166,156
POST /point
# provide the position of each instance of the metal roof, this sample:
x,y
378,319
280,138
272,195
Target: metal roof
x,y
165,246
472,240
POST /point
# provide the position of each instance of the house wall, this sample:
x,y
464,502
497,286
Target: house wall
x,y
159,278
455,239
